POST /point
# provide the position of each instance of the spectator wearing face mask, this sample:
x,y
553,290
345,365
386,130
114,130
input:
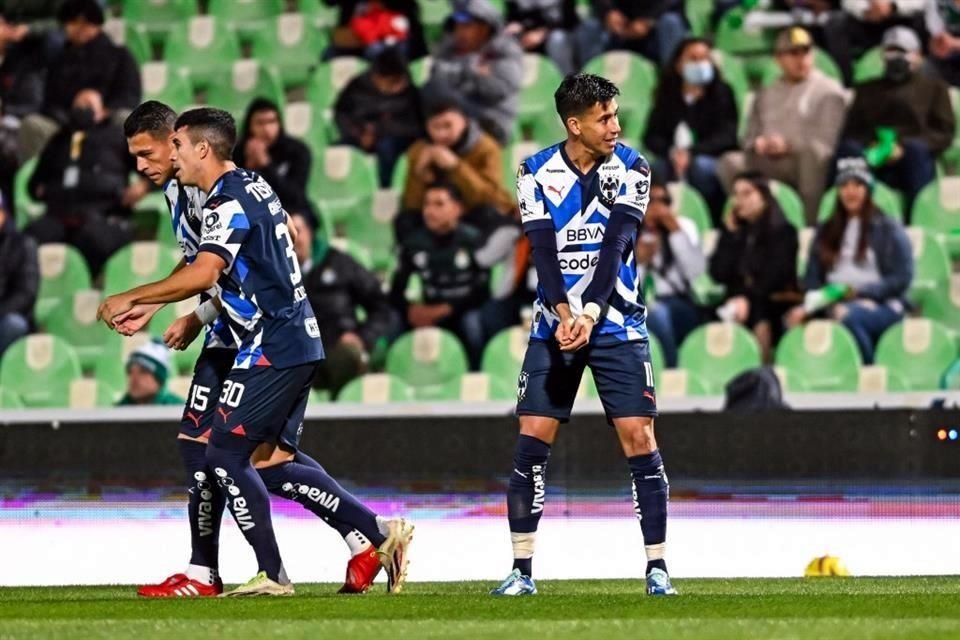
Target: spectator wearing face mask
x,y
693,121
903,121
82,177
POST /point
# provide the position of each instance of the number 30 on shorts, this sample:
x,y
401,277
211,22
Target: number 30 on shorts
x,y
231,393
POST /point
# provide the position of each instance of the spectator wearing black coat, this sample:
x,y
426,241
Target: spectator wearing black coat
x,y
89,60
379,111
547,27
82,176
756,261
652,28
283,161
19,280
337,285
693,122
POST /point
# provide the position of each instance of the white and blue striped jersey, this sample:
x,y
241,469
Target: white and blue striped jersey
x,y
186,205
554,194
264,300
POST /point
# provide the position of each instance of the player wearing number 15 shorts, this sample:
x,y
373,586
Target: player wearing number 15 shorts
x,y
246,249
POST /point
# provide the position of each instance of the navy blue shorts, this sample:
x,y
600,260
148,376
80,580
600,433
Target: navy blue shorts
x,y
264,404
549,379
212,368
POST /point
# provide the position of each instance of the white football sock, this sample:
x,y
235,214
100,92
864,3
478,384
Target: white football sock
x,y
206,575
356,542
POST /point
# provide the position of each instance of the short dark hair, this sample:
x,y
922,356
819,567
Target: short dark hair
x,y
151,117
580,91
449,187
89,10
439,98
216,126
391,62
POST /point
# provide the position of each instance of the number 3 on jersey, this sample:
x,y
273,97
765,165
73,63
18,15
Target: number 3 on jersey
x,y
284,235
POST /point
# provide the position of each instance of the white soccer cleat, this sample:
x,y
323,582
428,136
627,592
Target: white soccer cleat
x,y
393,553
260,585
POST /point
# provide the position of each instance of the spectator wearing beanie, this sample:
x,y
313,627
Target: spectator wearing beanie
x,y
147,370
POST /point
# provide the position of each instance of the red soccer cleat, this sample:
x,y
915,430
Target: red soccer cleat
x,y
180,586
361,570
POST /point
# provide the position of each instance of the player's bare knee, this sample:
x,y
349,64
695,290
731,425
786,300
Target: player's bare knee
x,y
636,436
539,427
268,454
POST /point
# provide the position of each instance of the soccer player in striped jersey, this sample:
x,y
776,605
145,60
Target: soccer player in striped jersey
x,y
581,202
149,129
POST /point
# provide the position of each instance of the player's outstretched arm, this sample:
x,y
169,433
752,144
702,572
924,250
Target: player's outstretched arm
x,y
137,318
194,278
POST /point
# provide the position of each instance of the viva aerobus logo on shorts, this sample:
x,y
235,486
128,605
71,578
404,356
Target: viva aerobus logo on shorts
x,y
238,504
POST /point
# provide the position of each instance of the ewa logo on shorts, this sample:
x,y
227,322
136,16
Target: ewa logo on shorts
x,y
522,385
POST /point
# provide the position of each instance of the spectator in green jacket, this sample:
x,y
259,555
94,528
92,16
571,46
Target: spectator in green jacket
x,y
147,370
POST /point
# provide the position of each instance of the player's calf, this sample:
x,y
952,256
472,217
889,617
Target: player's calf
x,y
526,497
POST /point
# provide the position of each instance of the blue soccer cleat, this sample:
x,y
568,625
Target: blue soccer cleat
x,y
516,584
658,583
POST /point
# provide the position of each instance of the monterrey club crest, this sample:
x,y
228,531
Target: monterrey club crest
x,y
609,189
522,385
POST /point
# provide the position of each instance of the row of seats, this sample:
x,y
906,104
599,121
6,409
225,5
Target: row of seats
x,y
44,370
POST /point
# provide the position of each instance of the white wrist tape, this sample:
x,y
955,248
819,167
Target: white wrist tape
x,y
207,312
592,311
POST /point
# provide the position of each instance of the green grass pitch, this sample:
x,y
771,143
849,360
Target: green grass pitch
x,y
820,609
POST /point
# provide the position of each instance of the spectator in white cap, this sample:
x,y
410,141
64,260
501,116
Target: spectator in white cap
x,y
902,121
147,370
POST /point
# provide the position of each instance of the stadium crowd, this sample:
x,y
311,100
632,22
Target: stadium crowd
x,y
793,143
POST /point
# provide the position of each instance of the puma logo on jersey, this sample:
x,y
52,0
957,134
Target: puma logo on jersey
x,y
556,190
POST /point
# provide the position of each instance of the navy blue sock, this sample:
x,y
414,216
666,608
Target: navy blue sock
x,y
525,498
247,498
651,491
301,458
205,505
317,491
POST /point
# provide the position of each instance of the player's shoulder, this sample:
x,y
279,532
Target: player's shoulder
x,y
535,162
631,158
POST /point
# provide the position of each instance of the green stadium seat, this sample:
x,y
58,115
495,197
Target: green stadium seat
x,y
75,320
184,360
637,79
735,74
136,264
27,209
680,383
820,356
158,18
374,229
325,84
931,265
319,396
503,355
133,37
470,387
656,356
90,393
588,387
733,38
376,388
9,400
888,199
420,70
541,77
688,202
320,14
718,352
246,17
180,385
246,80
427,357
110,366
945,308
699,14
869,66
880,379
167,84
63,271
302,121
918,349
547,129
937,208
291,45
433,15
39,369
342,182
205,47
